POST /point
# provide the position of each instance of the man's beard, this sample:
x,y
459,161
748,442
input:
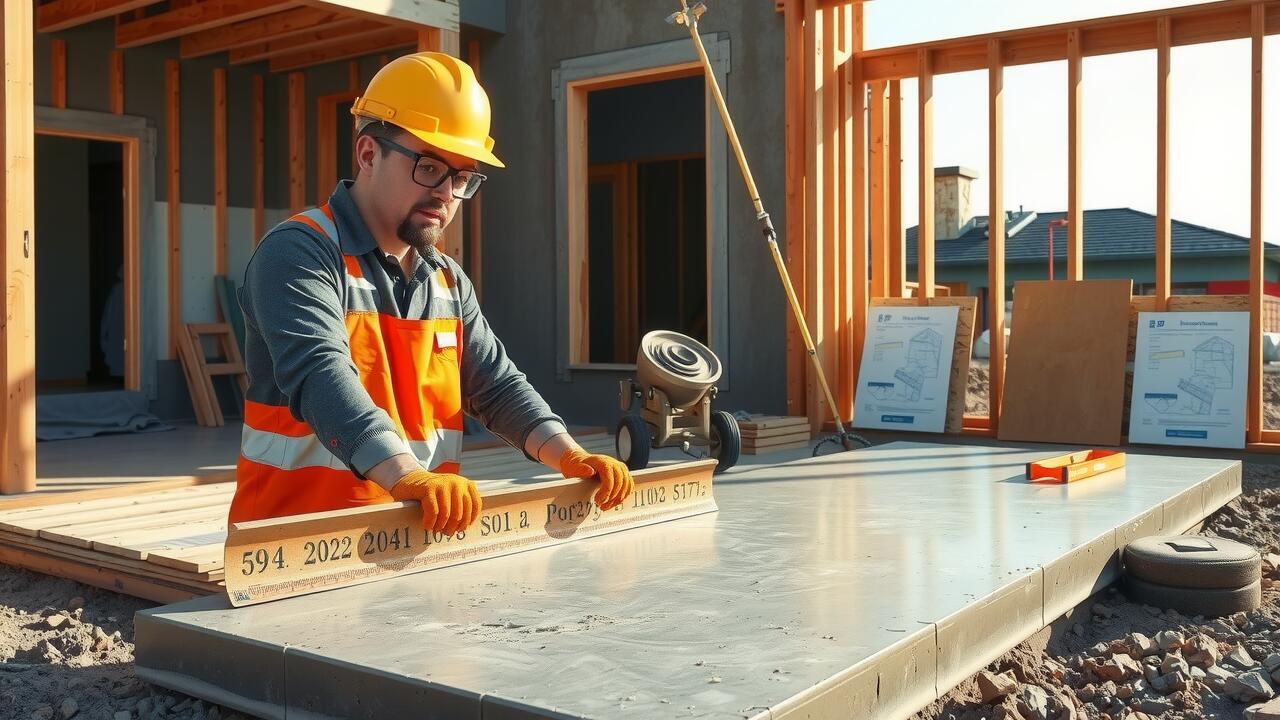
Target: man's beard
x,y
421,238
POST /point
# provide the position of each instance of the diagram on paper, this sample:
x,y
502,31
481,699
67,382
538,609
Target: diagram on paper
x,y
923,362
1210,368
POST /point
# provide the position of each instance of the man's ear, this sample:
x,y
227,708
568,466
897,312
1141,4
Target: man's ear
x,y
365,151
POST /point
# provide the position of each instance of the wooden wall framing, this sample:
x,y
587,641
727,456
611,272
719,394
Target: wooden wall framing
x,y
813,123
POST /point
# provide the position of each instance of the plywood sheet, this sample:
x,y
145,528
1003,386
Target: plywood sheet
x,y
961,356
1066,370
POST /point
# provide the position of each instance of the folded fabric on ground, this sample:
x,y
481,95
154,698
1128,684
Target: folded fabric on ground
x,y
81,415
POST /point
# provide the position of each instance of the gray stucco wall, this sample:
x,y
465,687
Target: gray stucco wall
x,y
520,201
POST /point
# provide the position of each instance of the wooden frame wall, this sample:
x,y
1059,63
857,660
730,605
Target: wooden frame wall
x,y
815,211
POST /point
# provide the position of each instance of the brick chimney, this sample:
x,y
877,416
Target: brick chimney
x,y
952,201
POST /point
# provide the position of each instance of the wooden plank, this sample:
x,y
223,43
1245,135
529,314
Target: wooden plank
x,y
199,559
173,199
203,581
336,33
277,26
116,81
451,244
878,178
924,231
132,180
897,238
297,141
30,521
961,354
995,233
220,171
1164,234
816,192
576,197
794,120
411,13
270,559
775,448
855,265
1254,421
364,45
1075,161
803,436
259,159
60,15
97,576
48,499
1072,332
193,18
83,534
58,72
17,333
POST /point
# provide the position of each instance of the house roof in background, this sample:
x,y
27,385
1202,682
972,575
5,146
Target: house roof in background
x,y
1109,234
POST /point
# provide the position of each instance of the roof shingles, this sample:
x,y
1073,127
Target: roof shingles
x,y
1110,234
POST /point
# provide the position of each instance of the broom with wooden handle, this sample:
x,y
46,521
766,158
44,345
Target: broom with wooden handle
x,y
688,16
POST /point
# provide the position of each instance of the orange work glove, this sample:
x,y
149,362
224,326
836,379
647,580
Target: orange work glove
x,y
615,479
449,502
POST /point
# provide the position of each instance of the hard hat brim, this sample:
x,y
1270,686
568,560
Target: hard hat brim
x,y
450,144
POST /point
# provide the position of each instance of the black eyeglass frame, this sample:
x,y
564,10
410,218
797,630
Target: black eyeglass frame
x,y
418,157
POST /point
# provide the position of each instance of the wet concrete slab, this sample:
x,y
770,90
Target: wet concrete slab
x,y
855,585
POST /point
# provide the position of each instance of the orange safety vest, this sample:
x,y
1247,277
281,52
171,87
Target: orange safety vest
x,y
410,369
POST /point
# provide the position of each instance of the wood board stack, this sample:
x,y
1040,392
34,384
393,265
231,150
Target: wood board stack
x,y
163,545
771,433
166,544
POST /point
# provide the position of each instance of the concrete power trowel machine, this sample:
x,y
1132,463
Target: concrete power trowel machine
x,y
675,384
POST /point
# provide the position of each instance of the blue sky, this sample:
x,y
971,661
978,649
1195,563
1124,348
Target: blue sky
x,y
1209,97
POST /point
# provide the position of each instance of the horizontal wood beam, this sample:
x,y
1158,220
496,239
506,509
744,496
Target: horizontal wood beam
x,y
276,26
1190,25
66,14
343,32
194,18
441,14
393,38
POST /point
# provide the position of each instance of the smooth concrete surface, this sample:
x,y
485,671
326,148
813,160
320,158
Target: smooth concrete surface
x,y
855,585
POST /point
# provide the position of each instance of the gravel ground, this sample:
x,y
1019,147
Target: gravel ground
x,y
66,651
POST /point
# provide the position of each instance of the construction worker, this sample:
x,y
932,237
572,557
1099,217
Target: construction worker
x,y
365,345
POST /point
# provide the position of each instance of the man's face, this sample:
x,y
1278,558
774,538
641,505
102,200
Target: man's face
x,y
419,214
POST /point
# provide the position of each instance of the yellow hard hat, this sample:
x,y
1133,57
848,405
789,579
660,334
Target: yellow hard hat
x,y
437,98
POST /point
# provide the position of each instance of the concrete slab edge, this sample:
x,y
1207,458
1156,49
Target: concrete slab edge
x,y
1078,576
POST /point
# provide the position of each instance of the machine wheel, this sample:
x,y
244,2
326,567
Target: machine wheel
x,y
633,442
726,441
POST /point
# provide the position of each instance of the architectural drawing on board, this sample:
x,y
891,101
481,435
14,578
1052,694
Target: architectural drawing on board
x,y
1212,363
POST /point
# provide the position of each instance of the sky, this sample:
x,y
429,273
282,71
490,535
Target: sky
x,y
1209,116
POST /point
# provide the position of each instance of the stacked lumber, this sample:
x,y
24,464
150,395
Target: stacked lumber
x,y
771,433
163,545
166,544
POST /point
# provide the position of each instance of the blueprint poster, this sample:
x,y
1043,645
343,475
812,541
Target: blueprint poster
x,y
906,368
1189,379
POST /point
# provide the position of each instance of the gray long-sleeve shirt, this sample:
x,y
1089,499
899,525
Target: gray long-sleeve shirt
x,y
297,351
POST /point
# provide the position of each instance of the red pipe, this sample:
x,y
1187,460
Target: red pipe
x,y
1062,222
